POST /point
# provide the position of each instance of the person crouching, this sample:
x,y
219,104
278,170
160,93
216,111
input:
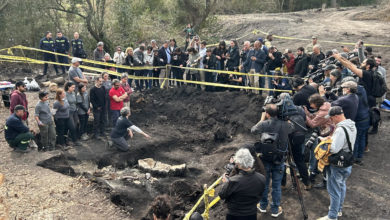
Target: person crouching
x,y
123,130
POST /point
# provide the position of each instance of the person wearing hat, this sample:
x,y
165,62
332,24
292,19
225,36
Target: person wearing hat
x,y
75,74
327,71
17,134
309,47
262,45
18,97
43,116
343,139
349,101
98,53
303,92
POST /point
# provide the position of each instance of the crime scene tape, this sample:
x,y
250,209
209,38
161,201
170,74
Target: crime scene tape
x,y
208,192
95,69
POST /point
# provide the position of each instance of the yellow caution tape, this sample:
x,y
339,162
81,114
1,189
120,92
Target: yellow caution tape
x,y
95,69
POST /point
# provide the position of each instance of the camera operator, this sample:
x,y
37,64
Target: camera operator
x,y
242,192
349,101
274,136
274,60
325,126
343,140
289,61
280,83
315,58
327,71
301,63
303,93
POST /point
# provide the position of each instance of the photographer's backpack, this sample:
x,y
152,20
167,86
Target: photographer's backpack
x,y
379,87
269,148
287,108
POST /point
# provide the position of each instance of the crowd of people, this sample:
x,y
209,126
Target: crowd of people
x,y
334,96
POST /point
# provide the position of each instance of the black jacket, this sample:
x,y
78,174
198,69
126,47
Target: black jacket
x,y
301,98
242,193
47,44
61,45
243,56
301,65
178,59
219,52
163,55
275,63
211,63
78,48
234,60
315,60
97,97
258,64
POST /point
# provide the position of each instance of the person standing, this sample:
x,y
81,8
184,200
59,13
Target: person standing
x,y
107,85
148,60
71,98
275,61
62,46
209,62
343,139
243,55
165,59
220,54
97,96
62,119
47,43
45,122
119,58
178,60
255,63
301,63
129,61
83,110
98,53
233,56
125,86
243,191
78,46
117,95
139,62
309,47
75,74
18,97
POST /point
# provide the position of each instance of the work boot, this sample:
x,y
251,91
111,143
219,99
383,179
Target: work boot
x,y
374,130
321,185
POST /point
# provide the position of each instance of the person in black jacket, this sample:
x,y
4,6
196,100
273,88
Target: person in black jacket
x,y
156,71
220,54
315,58
243,191
97,98
17,135
164,55
209,62
78,46
62,46
233,56
301,98
47,43
274,60
301,63
178,59
129,61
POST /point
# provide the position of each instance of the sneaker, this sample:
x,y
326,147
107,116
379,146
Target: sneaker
x,y
280,211
260,209
84,137
326,218
33,145
339,214
359,162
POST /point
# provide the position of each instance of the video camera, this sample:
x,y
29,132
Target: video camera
x,y
285,106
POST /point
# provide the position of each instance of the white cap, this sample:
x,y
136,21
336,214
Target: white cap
x,y
76,59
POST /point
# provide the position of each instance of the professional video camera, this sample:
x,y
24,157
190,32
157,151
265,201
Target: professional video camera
x,y
313,138
319,75
285,106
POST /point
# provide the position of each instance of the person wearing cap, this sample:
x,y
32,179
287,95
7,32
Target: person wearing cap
x,y
61,45
98,53
349,101
337,176
303,92
262,46
327,71
75,74
309,47
18,97
17,134
45,122
362,122
47,43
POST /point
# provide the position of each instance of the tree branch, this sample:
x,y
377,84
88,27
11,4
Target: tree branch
x,y
2,7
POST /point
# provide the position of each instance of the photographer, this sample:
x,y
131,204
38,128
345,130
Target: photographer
x,y
303,93
242,191
317,120
289,61
349,101
343,140
274,146
331,89
280,83
275,61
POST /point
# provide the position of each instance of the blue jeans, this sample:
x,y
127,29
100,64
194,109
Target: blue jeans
x,y
275,172
148,82
360,143
114,116
337,188
269,80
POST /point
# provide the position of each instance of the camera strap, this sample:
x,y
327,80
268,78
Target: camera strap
x,y
348,141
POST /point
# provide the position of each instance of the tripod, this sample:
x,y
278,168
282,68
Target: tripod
x,y
295,181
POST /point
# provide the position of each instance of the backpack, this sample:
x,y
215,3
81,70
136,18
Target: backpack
x,y
269,149
322,153
287,108
379,87
342,158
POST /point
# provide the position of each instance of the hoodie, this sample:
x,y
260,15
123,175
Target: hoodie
x,y
339,140
19,98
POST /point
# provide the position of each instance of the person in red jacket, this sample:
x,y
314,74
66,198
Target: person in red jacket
x,y
289,61
117,95
19,98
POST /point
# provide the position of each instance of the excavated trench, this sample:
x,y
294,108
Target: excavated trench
x,y
188,126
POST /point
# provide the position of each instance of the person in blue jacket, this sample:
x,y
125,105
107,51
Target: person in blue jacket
x,y
47,43
17,135
61,45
